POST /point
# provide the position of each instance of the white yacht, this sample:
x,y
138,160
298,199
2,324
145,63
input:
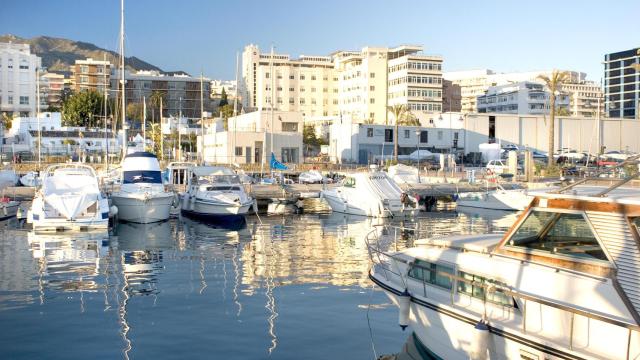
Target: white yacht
x,y
370,194
562,283
215,193
69,199
498,199
142,197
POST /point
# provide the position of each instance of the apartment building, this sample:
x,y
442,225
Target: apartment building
x,y
52,90
474,83
18,68
181,93
355,84
451,97
307,85
586,98
90,74
525,97
622,83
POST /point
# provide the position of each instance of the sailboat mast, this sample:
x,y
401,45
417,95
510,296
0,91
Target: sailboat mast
x,y
144,123
160,136
122,77
202,116
38,116
235,111
105,88
273,83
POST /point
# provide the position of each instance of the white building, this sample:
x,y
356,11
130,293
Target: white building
x,y
355,84
18,79
47,121
474,83
352,142
520,98
586,98
230,88
248,137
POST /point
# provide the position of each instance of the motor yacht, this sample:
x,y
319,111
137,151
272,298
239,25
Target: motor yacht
x,y
561,283
69,199
215,193
370,194
30,179
142,197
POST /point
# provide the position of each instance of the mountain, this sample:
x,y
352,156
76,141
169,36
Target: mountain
x,y
58,54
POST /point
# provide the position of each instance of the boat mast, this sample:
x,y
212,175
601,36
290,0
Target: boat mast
x,y
160,129
122,77
273,83
38,116
144,123
106,93
235,112
202,117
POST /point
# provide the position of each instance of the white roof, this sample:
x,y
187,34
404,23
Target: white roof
x,y
212,170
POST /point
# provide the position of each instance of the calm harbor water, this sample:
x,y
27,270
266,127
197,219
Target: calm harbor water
x,y
280,287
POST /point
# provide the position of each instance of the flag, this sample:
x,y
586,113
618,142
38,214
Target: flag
x,y
277,165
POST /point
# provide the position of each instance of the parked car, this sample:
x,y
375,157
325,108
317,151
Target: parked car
x,y
496,167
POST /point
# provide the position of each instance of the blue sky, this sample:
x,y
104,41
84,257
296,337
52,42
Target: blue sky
x,y
204,35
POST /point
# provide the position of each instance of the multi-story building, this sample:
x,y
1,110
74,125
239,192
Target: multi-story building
x,y
18,68
307,85
451,97
355,84
51,90
525,97
181,93
90,74
622,83
229,86
474,83
585,97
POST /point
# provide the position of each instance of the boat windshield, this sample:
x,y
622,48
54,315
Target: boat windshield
x,y
219,180
558,233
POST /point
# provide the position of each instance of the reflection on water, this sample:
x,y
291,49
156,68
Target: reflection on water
x,y
291,286
413,349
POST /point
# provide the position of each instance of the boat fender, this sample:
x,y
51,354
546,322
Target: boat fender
x,y
404,309
113,211
481,337
192,203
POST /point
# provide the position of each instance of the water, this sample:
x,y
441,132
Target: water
x,y
291,287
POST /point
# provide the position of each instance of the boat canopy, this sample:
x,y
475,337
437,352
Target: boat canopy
x,y
70,191
140,161
211,171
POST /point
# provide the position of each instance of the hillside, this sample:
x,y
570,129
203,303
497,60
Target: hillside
x,y
58,54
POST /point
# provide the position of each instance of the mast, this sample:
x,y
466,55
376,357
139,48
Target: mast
x,y
273,83
160,137
106,93
38,116
144,123
235,112
202,117
180,132
122,77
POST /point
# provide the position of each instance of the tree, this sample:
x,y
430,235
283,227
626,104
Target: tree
x,y
401,116
83,109
6,120
554,84
134,112
154,102
223,98
226,112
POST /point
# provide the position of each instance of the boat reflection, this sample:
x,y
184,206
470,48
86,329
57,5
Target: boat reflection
x,y
413,349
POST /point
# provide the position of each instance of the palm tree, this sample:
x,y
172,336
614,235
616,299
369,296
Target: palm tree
x,y
154,101
554,84
401,116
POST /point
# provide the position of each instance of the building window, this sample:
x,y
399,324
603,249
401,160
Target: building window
x,y
292,89
291,77
313,89
24,100
369,132
290,126
10,99
301,101
424,137
238,150
407,134
84,69
372,101
291,101
301,77
440,135
372,88
84,79
313,77
372,115
372,75
388,135
266,75
24,67
335,101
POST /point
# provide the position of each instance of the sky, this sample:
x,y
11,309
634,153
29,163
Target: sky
x,y
205,35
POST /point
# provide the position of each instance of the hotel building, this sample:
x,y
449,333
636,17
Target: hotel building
x,y
622,83
18,79
90,74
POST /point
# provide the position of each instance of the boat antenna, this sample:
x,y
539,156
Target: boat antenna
x,y
202,117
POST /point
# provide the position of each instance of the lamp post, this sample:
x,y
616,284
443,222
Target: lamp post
x,y
418,148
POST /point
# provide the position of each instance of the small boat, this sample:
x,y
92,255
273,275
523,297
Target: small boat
x,y
30,179
215,193
69,199
562,283
311,177
499,199
142,197
8,208
370,194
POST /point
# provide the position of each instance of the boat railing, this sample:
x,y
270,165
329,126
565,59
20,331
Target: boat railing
x,y
53,168
389,264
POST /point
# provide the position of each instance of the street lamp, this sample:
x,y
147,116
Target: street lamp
x,y
418,148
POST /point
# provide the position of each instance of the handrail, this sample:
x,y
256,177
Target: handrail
x,y
627,161
492,288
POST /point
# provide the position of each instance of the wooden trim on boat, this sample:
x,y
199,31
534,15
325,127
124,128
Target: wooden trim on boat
x,y
586,205
593,269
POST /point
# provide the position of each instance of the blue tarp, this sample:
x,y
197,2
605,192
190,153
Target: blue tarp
x,y
277,165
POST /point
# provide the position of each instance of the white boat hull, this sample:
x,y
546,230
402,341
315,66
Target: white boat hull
x,y
499,200
143,210
9,209
343,206
204,208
